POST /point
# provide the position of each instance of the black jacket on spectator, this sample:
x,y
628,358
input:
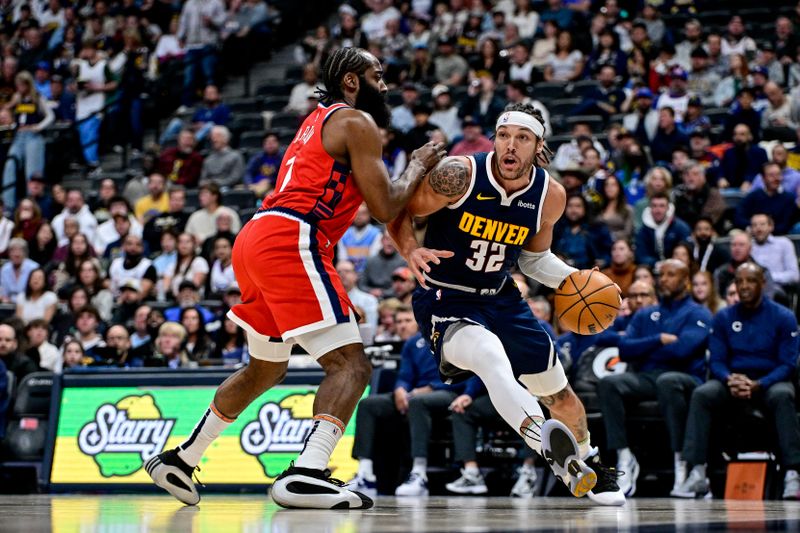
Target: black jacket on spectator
x,y
663,144
717,256
689,206
472,108
160,223
19,364
740,165
780,206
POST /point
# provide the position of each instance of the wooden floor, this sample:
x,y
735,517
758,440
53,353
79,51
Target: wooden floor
x,y
250,513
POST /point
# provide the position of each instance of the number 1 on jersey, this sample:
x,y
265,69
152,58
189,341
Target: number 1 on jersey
x,y
288,177
479,262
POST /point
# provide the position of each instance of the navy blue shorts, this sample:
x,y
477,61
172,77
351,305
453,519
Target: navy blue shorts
x,y
505,314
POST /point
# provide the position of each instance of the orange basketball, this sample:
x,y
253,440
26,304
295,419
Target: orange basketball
x,y
587,302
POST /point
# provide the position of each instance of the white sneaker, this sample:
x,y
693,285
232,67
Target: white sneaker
x,y
363,485
560,450
172,474
606,491
680,474
627,482
526,483
791,485
308,488
415,485
468,484
695,486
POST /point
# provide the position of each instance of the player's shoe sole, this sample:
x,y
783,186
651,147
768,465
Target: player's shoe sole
x,y
305,488
169,472
560,449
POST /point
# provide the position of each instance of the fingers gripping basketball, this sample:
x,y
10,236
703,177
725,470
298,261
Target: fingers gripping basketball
x,y
587,302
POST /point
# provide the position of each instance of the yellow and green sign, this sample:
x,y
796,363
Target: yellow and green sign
x,y
106,434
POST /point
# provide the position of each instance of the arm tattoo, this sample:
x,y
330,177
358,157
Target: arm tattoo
x,y
450,178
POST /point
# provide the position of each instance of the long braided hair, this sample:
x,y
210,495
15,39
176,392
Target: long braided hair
x,y
543,157
339,63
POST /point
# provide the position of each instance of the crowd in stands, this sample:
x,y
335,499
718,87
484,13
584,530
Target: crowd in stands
x,y
673,128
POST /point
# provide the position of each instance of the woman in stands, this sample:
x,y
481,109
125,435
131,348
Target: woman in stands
x,y
188,266
43,244
704,292
617,213
27,220
37,301
91,279
566,64
198,345
231,346
73,355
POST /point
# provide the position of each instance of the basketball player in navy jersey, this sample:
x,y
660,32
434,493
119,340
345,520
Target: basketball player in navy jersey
x,y
485,213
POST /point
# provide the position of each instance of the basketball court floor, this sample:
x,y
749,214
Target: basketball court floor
x,y
251,513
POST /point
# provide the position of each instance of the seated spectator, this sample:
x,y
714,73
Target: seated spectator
x,y
182,164
640,294
667,137
643,120
566,63
198,344
694,119
393,154
616,213
75,207
129,301
118,350
90,278
36,302
223,164
27,219
744,112
388,318
14,273
222,275
188,296
778,113
420,133
63,101
666,347
169,347
695,198
63,323
776,254
230,345
132,266
122,225
741,250
657,180
107,232
74,356
156,201
418,396
376,278
298,96
604,100
742,161
517,93
203,222
704,291
570,154
66,261
753,357
45,355
736,74
577,238
43,244
683,253
677,97
473,141
262,169
660,232
791,177
188,266
14,361
101,204
140,336
621,268
172,220
361,240
445,113
224,231
6,230
87,331
705,254
703,80
363,300
771,200
449,67
212,112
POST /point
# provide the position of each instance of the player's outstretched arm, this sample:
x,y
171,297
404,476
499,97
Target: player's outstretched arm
x,y
384,197
536,260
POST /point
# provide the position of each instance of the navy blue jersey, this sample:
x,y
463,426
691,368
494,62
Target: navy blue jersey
x,y
486,229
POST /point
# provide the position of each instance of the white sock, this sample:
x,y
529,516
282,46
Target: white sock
x,y
420,466
585,446
210,426
479,350
473,471
624,455
365,469
321,442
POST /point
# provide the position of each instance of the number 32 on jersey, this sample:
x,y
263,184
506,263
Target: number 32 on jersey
x,y
488,256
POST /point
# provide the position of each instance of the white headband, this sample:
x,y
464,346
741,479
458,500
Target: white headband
x,y
524,120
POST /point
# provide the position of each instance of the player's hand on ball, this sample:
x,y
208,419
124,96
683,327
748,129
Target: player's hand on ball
x,y
429,154
418,261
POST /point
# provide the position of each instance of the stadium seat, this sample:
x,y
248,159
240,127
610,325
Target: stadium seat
x,y
274,103
244,105
246,214
274,88
549,91
285,120
580,89
32,397
26,434
717,115
239,198
251,139
563,106
595,122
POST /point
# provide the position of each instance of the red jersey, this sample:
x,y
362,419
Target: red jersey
x,y
312,183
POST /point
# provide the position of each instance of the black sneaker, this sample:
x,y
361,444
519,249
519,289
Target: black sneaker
x,y
172,474
307,488
560,450
606,491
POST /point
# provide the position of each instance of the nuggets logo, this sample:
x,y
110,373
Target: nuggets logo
x,y
124,435
280,428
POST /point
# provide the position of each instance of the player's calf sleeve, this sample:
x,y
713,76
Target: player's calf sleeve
x,y
320,443
207,429
479,350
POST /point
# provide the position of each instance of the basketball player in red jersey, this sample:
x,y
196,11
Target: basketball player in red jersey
x,y
291,293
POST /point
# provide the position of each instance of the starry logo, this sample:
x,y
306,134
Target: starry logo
x,y
124,435
280,428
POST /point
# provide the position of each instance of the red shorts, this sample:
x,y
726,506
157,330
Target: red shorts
x,y
284,267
